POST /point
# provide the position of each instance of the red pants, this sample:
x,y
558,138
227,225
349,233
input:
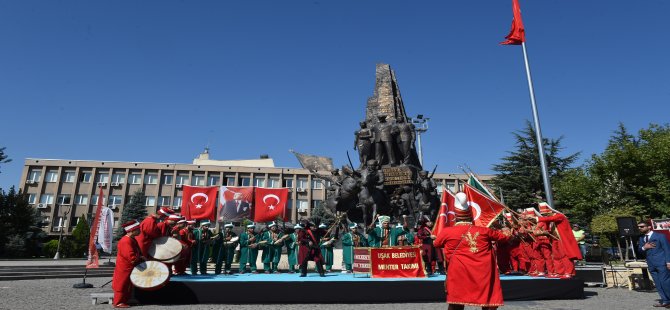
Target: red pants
x,y
183,262
121,297
543,260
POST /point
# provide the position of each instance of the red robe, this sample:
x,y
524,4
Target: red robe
x,y
568,241
149,230
305,252
543,260
128,255
186,239
472,276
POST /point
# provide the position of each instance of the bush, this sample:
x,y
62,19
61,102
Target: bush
x,y
16,246
49,248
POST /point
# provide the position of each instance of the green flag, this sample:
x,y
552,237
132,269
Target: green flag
x,y
474,182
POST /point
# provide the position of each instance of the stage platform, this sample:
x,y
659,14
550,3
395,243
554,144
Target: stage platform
x,y
338,288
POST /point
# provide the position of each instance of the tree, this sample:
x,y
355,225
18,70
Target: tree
x,y
133,210
80,238
632,174
519,174
18,218
3,158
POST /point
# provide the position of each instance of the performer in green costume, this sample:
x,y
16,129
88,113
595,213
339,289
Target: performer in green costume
x,y
248,249
351,240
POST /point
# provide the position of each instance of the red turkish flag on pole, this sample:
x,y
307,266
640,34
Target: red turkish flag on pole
x,y
93,256
199,203
446,217
517,34
484,209
270,203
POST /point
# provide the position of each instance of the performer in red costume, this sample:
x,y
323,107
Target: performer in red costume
x,y
128,255
150,229
568,250
472,276
186,239
308,239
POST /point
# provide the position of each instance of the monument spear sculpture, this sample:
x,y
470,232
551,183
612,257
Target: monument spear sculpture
x,y
517,36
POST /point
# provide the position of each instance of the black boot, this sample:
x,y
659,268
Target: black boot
x,y
303,269
319,268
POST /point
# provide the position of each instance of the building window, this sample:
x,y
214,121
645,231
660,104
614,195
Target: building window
x,y
68,177
245,181
451,186
115,200
64,199
51,177
213,180
177,202
32,198
316,203
85,177
230,181
440,188
150,201
303,205
119,178
135,178
164,200
302,183
259,182
167,179
102,178
198,180
289,204
274,183
47,199
182,179
75,221
150,179
35,175
81,199
288,183
94,200
317,184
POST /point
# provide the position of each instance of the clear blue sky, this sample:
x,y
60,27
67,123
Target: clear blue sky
x,y
156,81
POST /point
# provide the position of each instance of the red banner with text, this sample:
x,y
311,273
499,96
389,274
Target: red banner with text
x,y
396,262
361,260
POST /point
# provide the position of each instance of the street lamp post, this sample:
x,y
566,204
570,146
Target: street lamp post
x,y
60,236
420,126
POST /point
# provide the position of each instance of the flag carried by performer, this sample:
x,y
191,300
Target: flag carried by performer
x,y
199,203
476,183
446,216
93,256
236,203
106,230
485,210
270,203
517,34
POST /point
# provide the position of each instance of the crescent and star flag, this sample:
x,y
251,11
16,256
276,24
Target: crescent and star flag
x,y
199,203
484,209
93,256
517,34
235,203
446,217
270,203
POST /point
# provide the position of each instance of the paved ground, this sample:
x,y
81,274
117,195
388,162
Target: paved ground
x,y
49,262
59,294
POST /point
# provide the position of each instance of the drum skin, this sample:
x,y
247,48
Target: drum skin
x,y
165,249
150,275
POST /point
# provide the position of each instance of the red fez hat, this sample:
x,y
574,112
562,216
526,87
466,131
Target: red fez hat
x,y
130,226
545,208
166,211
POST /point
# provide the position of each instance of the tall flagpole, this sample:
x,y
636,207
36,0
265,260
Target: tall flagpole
x,y
538,132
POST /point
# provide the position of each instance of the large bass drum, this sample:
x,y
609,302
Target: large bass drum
x,y
165,249
150,275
